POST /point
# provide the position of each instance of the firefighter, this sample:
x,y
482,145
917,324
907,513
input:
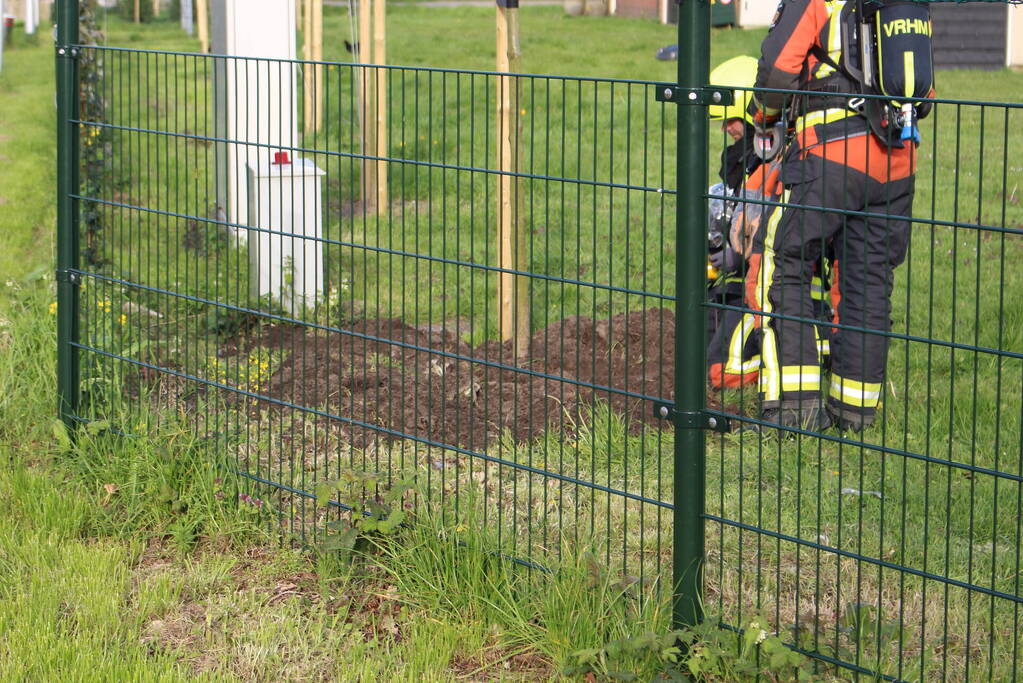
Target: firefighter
x,y
736,213
733,354
847,158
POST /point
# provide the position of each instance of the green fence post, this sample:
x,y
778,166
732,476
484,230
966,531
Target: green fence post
x,y
67,210
690,316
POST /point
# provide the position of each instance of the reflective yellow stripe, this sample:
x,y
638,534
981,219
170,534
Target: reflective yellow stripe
x,y
910,67
853,393
834,45
734,363
815,118
801,378
770,377
823,347
817,289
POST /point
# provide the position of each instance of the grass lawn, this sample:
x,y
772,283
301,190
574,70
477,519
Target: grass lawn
x,y
121,560
189,583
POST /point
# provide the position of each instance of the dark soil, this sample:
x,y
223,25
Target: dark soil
x,y
432,395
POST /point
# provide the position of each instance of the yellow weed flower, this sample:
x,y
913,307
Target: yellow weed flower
x,y
53,308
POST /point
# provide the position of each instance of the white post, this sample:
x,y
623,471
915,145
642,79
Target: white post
x,y
31,16
255,98
186,16
2,32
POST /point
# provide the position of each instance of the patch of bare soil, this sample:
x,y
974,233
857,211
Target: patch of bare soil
x,y
498,664
392,378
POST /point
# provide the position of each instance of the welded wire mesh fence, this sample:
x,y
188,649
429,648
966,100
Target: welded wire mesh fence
x,y
894,549
249,280
395,368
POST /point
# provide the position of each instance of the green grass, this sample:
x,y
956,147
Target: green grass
x,y
119,560
948,406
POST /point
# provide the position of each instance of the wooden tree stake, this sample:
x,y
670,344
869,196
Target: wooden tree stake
x,y
312,75
318,57
380,57
308,116
512,290
202,16
369,189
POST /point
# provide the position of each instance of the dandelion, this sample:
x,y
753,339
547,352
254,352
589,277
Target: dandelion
x,y
53,308
122,319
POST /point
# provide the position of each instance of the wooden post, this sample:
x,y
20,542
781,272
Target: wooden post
x,y
138,11
308,80
369,190
156,9
318,57
203,18
512,290
380,58
312,51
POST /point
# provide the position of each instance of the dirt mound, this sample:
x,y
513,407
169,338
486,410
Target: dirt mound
x,y
415,380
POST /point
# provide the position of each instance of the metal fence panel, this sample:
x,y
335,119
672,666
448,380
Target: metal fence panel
x,y
894,552
395,371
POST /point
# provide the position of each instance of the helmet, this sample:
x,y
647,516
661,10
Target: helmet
x,y
737,72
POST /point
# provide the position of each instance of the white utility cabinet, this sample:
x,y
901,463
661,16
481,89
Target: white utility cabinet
x,y
256,94
285,248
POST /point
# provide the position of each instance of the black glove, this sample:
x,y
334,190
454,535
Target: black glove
x,y
726,260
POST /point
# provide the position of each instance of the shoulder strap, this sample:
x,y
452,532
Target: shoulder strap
x,y
821,54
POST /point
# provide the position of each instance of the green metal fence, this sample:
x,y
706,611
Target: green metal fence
x,y
892,553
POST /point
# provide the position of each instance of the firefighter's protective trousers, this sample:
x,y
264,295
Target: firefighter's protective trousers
x,y
843,190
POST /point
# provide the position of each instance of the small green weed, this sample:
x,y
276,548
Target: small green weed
x,y
705,652
380,515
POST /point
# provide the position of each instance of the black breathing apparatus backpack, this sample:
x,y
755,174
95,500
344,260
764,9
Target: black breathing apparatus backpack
x,y
887,49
